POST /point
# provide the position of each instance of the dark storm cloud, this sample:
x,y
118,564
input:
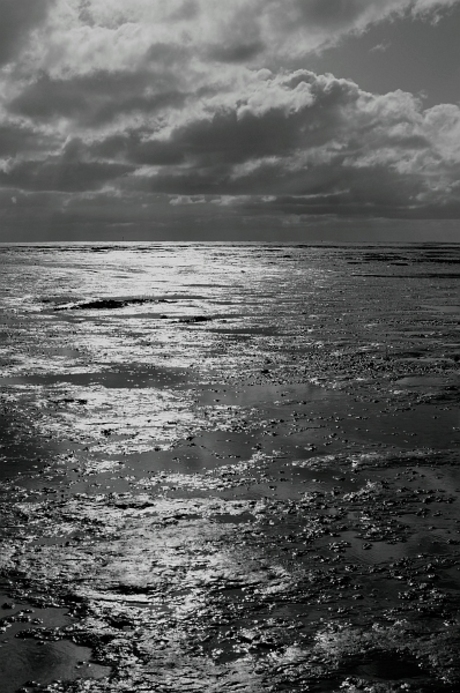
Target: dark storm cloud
x,y
303,134
340,189
236,53
136,148
297,113
334,187
17,19
229,139
297,134
61,175
166,60
95,99
188,9
17,138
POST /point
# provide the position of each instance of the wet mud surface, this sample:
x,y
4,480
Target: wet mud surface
x,y
255,489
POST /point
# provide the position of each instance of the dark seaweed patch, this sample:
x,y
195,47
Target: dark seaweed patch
x,y
109,303
196,318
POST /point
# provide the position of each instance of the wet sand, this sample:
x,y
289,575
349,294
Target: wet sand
x,y
276,510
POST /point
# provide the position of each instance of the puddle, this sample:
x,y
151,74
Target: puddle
x,y
24,661
424,426
424,381
387,666
23,450
257,395
245,331
447,310
374,552
228,518
24,658
152,377
18,615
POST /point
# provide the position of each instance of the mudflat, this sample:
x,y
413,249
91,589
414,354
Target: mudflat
x,y
229,468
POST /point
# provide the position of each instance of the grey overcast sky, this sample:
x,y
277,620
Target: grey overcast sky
x,y
236,120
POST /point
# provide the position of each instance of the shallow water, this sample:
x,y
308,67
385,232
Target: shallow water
x,y
24,659
236,463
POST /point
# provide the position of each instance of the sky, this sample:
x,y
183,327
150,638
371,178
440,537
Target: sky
x,y
240,120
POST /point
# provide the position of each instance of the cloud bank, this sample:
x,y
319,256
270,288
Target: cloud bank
x,y
199,110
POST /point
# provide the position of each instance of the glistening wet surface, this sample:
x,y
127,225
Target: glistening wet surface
x,y
216,480
130,377
32,648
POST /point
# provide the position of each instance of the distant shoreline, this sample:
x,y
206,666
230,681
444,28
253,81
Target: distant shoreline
x,y
300,244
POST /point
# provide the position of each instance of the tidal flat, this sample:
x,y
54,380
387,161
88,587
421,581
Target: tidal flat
x,y
229,468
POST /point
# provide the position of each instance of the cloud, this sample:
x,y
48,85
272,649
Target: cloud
x,y
431,7
181,200
198,107
381,47
60,173
312,137
17,138
294,140
18,19
82,36
95,99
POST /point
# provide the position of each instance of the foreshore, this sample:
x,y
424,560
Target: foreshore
x,y
285,518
